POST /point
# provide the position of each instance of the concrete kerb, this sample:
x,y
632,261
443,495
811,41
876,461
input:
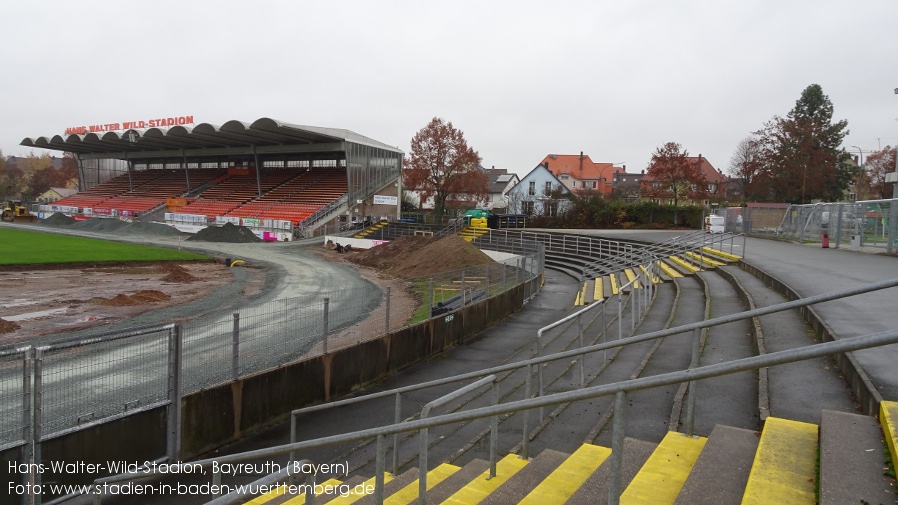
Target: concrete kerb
x,y
865,392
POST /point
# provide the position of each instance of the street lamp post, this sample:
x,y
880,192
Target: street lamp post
x,y
893,208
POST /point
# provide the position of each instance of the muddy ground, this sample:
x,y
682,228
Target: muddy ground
x,y
47,301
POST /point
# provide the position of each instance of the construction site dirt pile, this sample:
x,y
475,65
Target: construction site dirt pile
x,y
227,233
416,256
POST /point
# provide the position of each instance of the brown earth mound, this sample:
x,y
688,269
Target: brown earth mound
x,y
138,298
176,273
7,326
412,256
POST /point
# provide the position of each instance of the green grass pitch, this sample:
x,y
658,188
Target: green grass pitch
x,y
25,247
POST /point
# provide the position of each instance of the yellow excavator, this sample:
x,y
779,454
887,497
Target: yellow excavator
x,y
15,211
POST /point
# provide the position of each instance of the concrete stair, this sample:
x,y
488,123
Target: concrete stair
x,y
731,465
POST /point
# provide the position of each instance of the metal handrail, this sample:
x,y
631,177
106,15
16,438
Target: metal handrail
x,y
621,389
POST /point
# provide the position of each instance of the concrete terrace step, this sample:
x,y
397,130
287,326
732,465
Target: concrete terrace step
x,y
663,475
784,466
482,485
727,448
568,477
595,489
517,487
722,254
852,460
682,264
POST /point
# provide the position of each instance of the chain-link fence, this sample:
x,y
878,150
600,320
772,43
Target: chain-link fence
x,y
84,382
15,398
857,224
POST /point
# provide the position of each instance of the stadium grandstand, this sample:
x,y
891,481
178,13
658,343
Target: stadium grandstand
x,y
268,175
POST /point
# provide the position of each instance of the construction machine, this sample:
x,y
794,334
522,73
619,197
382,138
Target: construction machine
x,y
16,211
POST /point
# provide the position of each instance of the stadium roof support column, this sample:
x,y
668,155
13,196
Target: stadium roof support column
x,y
130,165
258,171
186,168
81,184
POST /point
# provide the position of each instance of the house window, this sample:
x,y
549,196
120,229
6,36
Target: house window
x,y
656,200
548,187
712,188
532,189
595,184
527,207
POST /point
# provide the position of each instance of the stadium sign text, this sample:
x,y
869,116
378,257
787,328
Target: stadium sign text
x,y
128,125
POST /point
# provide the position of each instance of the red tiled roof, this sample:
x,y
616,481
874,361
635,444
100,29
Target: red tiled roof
x,y
579,166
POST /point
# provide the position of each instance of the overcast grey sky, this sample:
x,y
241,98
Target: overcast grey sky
x,y
521,79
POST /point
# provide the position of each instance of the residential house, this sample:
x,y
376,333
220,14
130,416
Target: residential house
x,y
580,174
714,192
539,193
54,194
628,186
500,182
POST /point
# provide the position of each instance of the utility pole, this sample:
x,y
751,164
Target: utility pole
x,y
893,208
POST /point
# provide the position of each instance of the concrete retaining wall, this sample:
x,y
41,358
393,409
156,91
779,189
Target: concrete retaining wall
x,y
228,412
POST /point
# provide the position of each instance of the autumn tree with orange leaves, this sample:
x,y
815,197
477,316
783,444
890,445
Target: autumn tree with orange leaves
x,y
441,165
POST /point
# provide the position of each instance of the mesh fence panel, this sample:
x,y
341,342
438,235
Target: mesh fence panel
x,y
86,382
12,398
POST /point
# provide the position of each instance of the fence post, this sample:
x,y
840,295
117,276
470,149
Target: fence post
x,y
430,295
27,419
462,287
38,421
397,418
387,322
235,348
327,302
175,358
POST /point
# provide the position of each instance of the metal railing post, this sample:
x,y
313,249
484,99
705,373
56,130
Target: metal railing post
x,y
397,418
235,348
494,431
525,444
582,356
37,424
379,471
620,313
619,427
690,398
326,322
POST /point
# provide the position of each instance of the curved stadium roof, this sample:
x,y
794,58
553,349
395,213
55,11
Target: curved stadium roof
x,y
262,136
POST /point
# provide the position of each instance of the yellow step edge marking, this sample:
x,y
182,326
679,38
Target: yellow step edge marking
x,y
888,419
614,288
706,260
664,473
630,276
568,477
685,264
722,254
299,500
481,487
409,493
669,271
577,299
598,291
784,467
583,294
